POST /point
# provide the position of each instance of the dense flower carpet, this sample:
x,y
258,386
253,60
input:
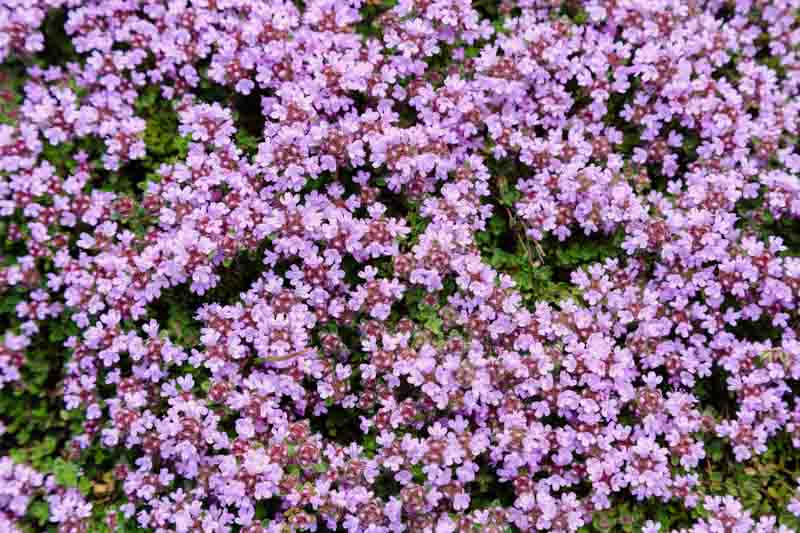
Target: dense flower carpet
x,y
399,266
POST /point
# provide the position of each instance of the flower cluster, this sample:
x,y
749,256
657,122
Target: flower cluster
x,y
19,484
389,138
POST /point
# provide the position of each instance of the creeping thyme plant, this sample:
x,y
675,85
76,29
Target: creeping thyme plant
x,y
399,266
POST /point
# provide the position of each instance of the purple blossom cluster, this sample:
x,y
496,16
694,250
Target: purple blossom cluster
x,y
572,404
20,484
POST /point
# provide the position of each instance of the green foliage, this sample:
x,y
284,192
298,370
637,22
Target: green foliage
x,y
338,424
488,491
508,250
32,411
370,12
161,130
580,250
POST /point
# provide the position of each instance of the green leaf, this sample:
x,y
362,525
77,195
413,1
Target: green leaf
x,y
66,474
39,511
